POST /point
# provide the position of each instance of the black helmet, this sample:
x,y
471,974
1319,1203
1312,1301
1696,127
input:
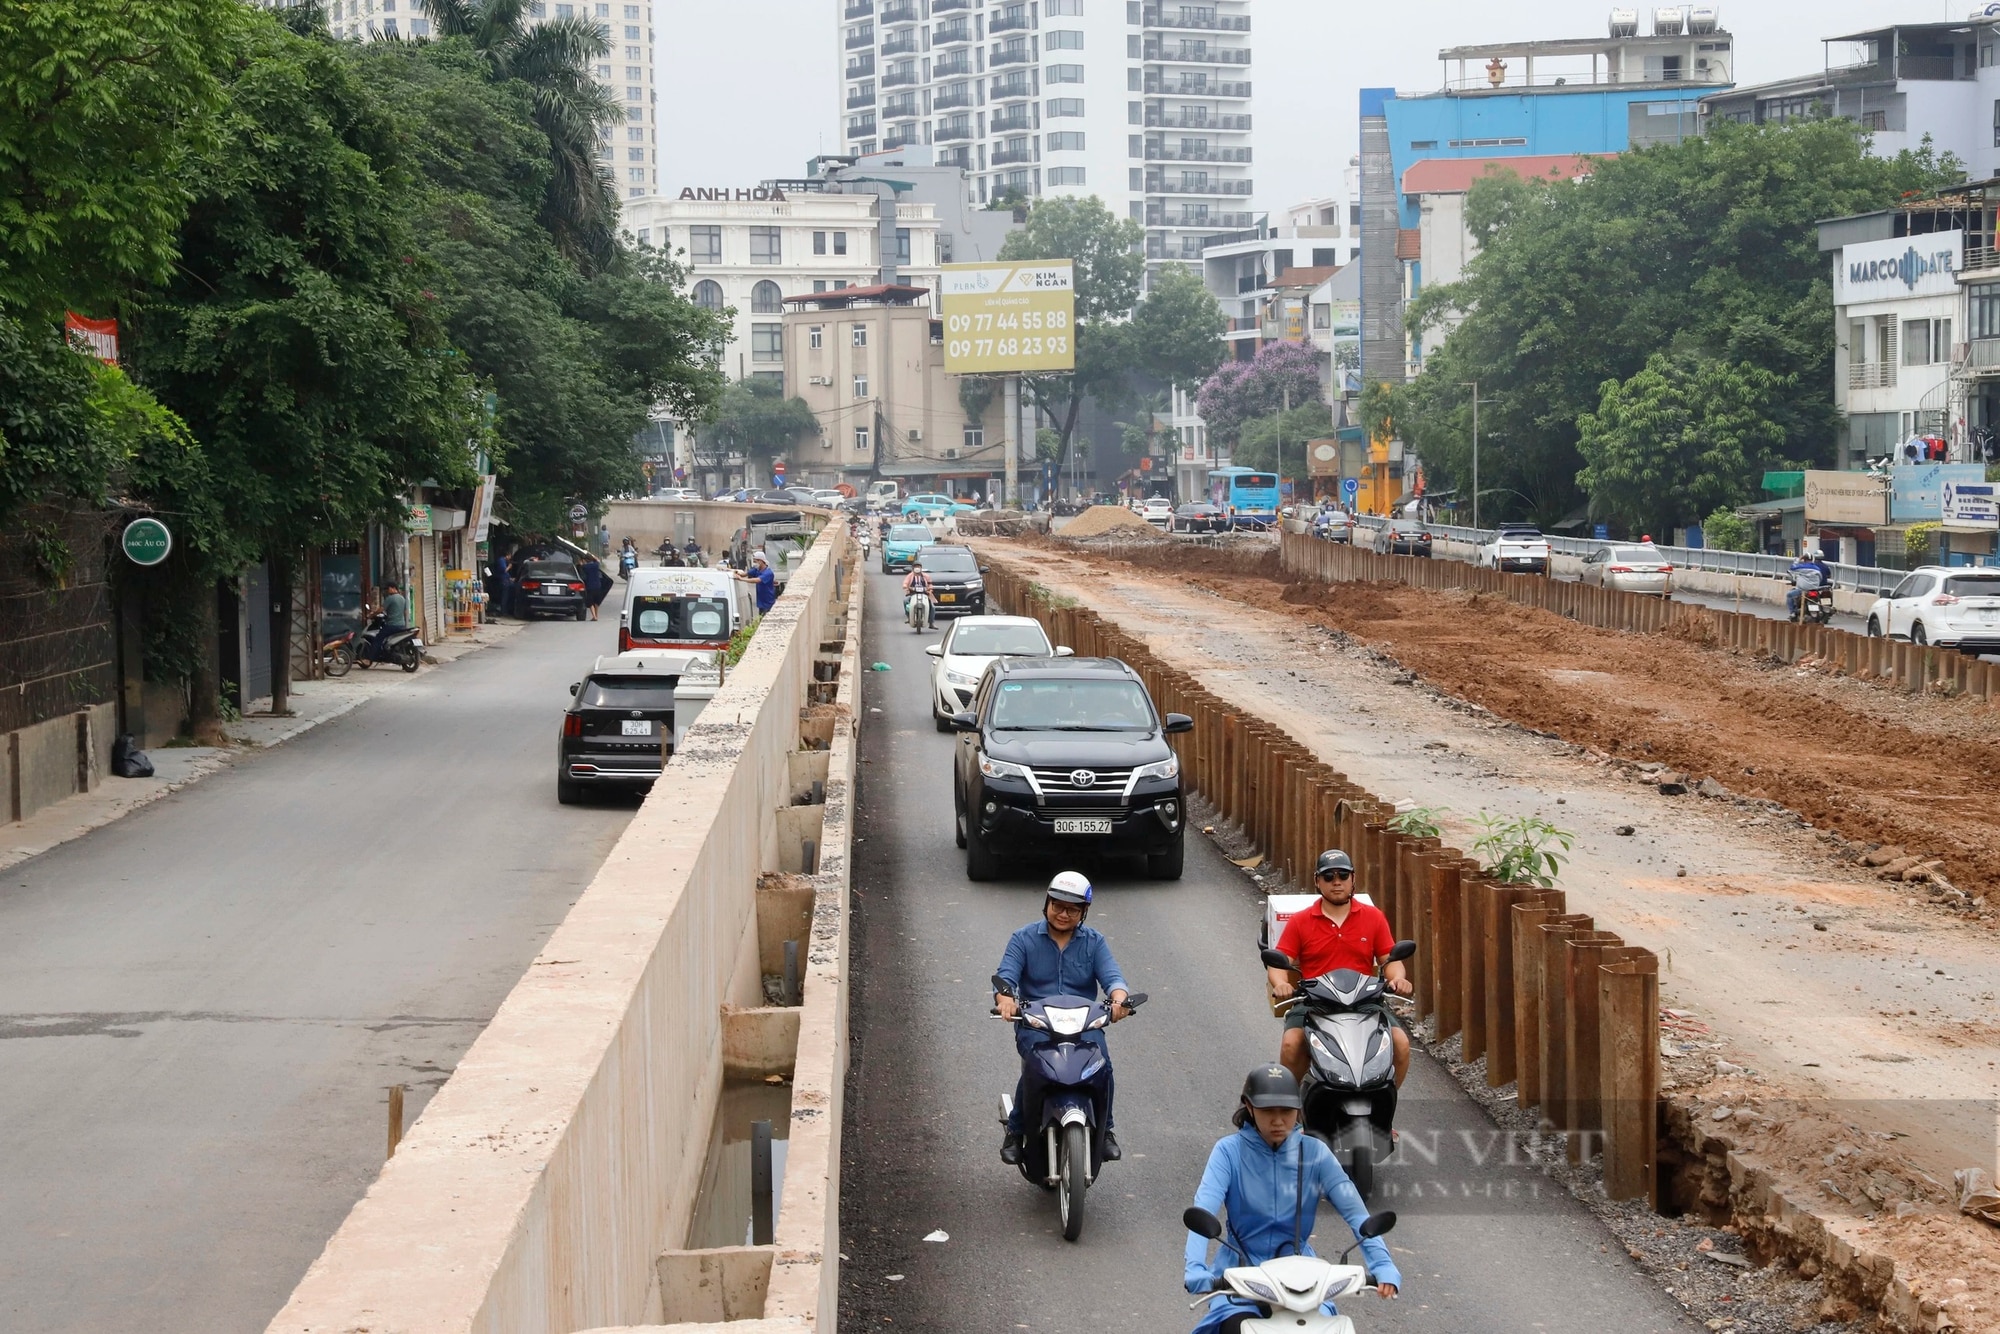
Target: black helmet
x,y
1333,859
1271,1086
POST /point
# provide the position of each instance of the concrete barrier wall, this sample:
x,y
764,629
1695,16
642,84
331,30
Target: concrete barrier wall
x,y
540,1188
55,758
650,522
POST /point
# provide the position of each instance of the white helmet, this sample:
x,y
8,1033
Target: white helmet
x,y
1070,887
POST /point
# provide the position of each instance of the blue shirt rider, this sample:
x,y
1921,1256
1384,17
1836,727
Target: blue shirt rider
x,y
1814,562
767,583
1059,956
1271,1176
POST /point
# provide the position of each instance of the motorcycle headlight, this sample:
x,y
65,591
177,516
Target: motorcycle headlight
x,y
1320,1048
993,768
960,678
1167,768
1261,1291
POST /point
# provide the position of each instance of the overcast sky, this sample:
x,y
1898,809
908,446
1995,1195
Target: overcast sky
x,y
748,86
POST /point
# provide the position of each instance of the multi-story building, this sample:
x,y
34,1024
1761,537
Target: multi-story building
x,y
1536,99
1272,279
630,151
1144,104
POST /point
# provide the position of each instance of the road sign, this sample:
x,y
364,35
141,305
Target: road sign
x,y
1003,319
1350,487
146,541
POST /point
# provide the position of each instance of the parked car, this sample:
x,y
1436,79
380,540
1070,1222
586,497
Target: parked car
x,y
1157,510
828,498
615,733
956,580
1403,537
969,647
1638,568
1067,756
551,586
1520,548
900,548
1334,525
741,495
1200,517
1950,606
786,495
933,507
677,493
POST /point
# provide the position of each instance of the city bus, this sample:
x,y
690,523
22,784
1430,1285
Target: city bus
x,y
1249,497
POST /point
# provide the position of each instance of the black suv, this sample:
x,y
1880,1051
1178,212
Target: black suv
x,y
551,586
956,584
1067,754
616,732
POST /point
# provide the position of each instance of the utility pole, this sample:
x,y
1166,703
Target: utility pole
x,y
1473,385
1281,442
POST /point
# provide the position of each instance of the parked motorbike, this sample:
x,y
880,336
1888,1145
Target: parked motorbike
x,y
336,655
1815,606
1067,1089
1350,1087
1290,1292
918,613
403,648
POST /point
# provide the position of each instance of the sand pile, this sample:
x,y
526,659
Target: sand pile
x,y
1101,519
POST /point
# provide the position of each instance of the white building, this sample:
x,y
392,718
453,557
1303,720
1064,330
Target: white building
x,y
1144,104
631,151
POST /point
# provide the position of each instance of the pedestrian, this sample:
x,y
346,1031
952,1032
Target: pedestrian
x,y
604,539
761,575
596,583
395,607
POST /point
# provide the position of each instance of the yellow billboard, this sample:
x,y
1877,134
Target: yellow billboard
x,y
1005,319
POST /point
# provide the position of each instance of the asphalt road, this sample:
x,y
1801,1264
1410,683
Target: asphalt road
x,y
1481,1244
203,1004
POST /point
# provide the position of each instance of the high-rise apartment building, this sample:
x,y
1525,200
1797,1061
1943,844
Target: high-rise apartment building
x,y
1143,103
629,150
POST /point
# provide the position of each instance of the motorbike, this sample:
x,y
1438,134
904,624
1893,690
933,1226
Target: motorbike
x,y
336,655
1350,1088
628,561
1068,1083
1815,606
919,612
404,648
1290,1292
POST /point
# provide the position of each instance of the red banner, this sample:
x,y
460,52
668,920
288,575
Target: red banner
x,y
99,336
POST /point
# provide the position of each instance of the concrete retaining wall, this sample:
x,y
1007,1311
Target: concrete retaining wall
x,y
542,1185
59,757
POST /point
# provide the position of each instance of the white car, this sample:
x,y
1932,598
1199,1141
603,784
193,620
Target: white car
x,y
1521,548
970,647
1158,510
1639,568
829,498
677,493
1950,606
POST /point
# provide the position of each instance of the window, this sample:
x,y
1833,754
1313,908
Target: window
x,y
635,155
635,72
861,384
1135,81
1135,145
819,284
902,245
631,32
816,336
1135,113
944,247
766,299
1066,141
708,294
645,236
819,243
767,342
1322,315
974,437
861,439
1136,179
1062,39
388,27
1065,175
705,245
859,333
1064,9
637,175
1063,74
1926,342
631,11
1062,107
604,73
420,27
635,134
634,93
764,245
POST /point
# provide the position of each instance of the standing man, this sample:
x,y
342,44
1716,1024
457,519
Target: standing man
x,y
1058,956
395,607
1335,933
761,575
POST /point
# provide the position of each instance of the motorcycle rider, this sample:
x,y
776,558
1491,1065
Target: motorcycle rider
x,y
1335,933
918,580
1808,560
1271,1176
1059,956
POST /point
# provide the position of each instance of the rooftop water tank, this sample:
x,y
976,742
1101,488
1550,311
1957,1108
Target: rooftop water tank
x,y
1667,22
1701,20
1625,22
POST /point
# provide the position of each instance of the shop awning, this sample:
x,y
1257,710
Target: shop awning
x,y
1785,484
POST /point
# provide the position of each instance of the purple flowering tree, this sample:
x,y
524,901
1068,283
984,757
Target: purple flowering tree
x,y
1243,391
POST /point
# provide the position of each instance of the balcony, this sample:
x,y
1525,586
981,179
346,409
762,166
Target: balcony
x,y
1011,55
1013,20
953,130
952,66
858,126
1197,53
1008,89
861,67
1195,18
1159,186
1000,157
902,44
905,12
1872,374
1157,152
900,108
947,34
902,78
954,157
865,37
947,6
1009,124
961,97
858,9
1983,355
855,101
902,138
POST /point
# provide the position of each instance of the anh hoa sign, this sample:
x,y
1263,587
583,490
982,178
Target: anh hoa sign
x,y
1902,266
724,194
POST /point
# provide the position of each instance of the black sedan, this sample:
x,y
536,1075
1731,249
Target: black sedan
x,y
1198,518
551,588
615,734
1403,537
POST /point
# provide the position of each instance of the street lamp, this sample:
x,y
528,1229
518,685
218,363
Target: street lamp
x,y
1473,385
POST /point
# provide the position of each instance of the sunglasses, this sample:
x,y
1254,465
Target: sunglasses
x,y
1335,875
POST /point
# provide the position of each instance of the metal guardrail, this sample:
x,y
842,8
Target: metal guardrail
x,y
1860,578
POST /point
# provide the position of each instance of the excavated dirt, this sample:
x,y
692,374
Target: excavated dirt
x,y
1101,519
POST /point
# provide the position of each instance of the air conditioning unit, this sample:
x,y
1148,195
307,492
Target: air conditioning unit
x,y
821,380
916,437
951,453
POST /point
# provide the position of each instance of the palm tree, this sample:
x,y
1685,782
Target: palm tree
x,y
553,59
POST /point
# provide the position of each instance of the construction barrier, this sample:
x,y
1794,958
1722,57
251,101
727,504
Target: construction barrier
x,y
1912,667
1568,1014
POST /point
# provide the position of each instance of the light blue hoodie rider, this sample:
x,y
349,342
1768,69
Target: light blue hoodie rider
x,y
1270,1195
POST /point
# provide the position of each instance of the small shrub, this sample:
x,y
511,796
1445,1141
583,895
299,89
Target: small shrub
x,y
1420,822
1517,850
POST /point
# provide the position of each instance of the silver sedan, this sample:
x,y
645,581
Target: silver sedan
x,y
1639,568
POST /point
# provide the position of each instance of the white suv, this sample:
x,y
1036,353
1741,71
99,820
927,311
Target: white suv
x,y
1950,606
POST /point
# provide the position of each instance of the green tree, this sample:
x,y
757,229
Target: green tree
x,y
1177,329
102,103
1276,441
1706,248
755,419
1676,440
1726,530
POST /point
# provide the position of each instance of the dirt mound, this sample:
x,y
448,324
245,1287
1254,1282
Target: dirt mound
x,y
1101,519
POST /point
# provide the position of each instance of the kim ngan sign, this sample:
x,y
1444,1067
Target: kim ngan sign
x,y
1005,319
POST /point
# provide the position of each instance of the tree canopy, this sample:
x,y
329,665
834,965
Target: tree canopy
x,y
1281,374
1702,251
755,419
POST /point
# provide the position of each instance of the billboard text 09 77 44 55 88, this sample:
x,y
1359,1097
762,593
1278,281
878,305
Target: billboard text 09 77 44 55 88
x,y
1002,319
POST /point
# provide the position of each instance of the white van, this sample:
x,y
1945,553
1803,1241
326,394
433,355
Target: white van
x,y
883,495
680,607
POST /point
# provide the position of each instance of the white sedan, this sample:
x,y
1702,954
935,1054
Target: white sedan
x,y
1157,510
969,647
1639,568
1951,606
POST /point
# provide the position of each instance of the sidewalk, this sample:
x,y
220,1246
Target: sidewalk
x,y
175,767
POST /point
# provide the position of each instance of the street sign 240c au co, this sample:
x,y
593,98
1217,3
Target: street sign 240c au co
x,y
1004,319
146,541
